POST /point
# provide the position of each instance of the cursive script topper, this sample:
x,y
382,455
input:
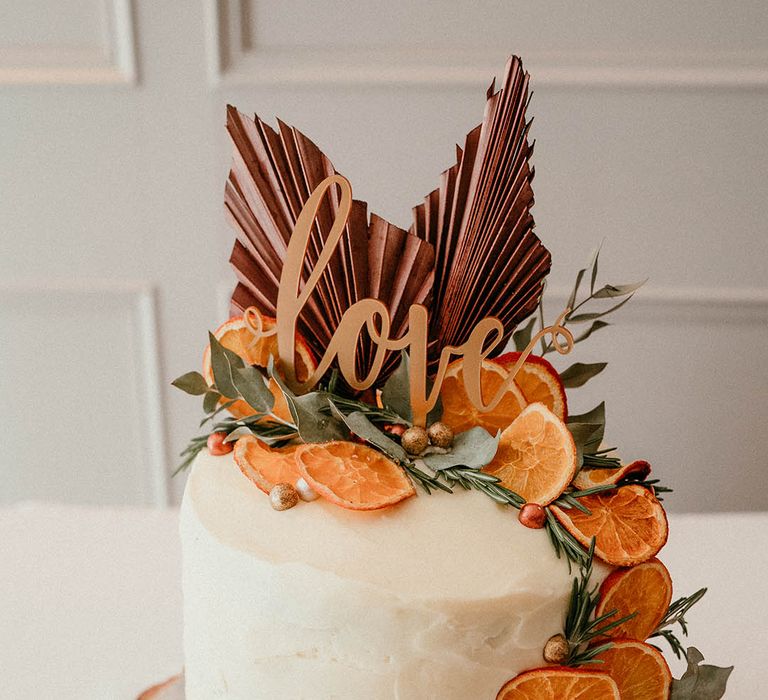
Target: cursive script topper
x,y
373,316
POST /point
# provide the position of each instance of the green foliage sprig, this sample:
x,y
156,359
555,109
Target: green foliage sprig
x,y
675,615
581,626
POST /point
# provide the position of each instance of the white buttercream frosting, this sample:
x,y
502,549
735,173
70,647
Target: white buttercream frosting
x,y
442,596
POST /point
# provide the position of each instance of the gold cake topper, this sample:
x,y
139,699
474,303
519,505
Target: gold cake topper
x,y
373,316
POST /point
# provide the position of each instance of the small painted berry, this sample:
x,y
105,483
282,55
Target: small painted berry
x,y
217,446
556,650
283,496
415,440
532,515
440,435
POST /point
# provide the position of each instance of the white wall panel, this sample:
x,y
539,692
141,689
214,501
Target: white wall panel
x,y
66,42
437,42
78,396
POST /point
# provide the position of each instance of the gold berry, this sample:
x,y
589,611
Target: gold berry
x,y
440,435
283,496
532,515
415,440
556,650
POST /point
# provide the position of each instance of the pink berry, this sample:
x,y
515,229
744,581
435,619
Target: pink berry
x,y
217,446
532,515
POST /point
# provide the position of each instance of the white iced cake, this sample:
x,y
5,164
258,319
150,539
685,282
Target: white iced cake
x,y
442,596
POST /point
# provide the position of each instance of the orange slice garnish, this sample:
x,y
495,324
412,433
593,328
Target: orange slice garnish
x,y
235,336
266,466
558,683
539,381
645,589
629,524
352,475
536,457
458,411
587,478
639,670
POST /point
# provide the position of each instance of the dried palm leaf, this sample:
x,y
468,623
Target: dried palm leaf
x,y
272,175
488,260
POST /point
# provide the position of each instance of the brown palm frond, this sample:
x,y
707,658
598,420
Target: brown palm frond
x,y
488,260
272,175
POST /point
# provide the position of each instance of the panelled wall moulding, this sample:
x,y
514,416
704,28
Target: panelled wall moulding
x,y
55,65
231,61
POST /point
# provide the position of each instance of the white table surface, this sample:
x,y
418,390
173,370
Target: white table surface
x,y
90,599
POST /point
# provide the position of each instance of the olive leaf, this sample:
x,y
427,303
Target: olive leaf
x,y
579,373
359,424
308,411
192,383
596,326
594,315
252,387
522,337
474,448
610,291
396,394
700,681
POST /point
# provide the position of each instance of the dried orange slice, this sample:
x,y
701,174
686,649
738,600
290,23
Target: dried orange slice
x,y
459,412
587,478
266,466
629,524
352,475
639,670
645,589
559,683
235,336
539,381
536,457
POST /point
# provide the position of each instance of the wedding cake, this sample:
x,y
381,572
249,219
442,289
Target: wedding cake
x,y
388,502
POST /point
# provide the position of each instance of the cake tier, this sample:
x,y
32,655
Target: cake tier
x,y
443,596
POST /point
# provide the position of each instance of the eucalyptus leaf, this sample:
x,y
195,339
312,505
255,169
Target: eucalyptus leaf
x,y
700,681
312,423
583,434
192,383
359,424
396,394
210,401
250,382
592,316
221,364
237,433
595,416
579,373
474,448
617,290
522,337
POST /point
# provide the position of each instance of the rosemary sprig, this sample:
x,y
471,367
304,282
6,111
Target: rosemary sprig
x,y
676,616
599,461
271,431
373,413
581,627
